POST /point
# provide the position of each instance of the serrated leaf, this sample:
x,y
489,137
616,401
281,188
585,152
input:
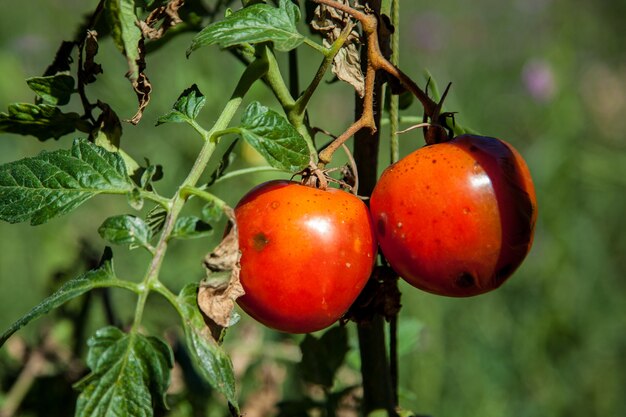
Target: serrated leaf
x,y
254,24
274,137
186,108
210,360
191,227
128,373
54,89
322,357
43,121
103,276
125,229
54,183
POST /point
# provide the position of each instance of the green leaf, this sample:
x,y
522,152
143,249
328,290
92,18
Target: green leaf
x,y
322,357
103,276
128,373
124,30
254,24
186,108
191,227
210,360
40,120
54,89
135,199
128,38
212,212
274,137
54,183
125,229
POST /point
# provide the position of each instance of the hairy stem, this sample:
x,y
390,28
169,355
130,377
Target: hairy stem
x,y
300,105
151,279
275,80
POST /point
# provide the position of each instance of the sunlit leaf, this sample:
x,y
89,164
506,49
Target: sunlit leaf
x,y
44,121
125,229
254,24
274,137
191,227
54,183
186,108
54,89
129,372
209,358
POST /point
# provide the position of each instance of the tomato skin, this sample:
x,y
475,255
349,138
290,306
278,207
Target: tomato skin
x,y
306,254
456,218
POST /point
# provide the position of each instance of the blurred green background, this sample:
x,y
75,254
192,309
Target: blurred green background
x,y
549,76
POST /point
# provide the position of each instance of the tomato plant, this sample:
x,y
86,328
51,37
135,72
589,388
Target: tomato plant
x,y
306,254
456,218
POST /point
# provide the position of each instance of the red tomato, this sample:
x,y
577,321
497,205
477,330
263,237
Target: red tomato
x,y
306,254
456,218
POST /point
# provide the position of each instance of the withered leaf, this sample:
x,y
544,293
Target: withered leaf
x,y
168,14
347,63
219,290
90,67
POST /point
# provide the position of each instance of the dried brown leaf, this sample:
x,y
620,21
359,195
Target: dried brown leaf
x,y
219,290
140,82
347,63
168,15
90,67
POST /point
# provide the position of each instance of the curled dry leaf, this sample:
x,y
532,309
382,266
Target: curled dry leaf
x,y
140,82
168,14
219,290
90,67
347,63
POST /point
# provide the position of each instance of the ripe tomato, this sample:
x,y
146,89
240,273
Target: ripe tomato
x,y
306,254
456,218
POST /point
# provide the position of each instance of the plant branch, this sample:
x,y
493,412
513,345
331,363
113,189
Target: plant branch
x,y
377,61
329,55
151,279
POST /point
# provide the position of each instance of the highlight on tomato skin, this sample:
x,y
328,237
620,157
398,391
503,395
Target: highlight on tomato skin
x,y
306,254
456,218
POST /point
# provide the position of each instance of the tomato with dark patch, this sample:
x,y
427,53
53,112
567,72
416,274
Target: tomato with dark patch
x,y
306,254
456,218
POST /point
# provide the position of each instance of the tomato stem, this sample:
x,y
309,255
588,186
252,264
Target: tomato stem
x,y
376,61
151,278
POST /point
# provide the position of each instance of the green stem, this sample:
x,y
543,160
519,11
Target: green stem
x,y
206,196
151,195
245,171
329,55
275,80
151,279
319,48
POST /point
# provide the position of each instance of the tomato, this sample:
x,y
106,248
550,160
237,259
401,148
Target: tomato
x,y
456,218
306,254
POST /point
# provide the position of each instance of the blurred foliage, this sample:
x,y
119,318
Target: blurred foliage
x,y
549,76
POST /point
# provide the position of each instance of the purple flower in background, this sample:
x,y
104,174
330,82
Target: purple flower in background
x,y
538,79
